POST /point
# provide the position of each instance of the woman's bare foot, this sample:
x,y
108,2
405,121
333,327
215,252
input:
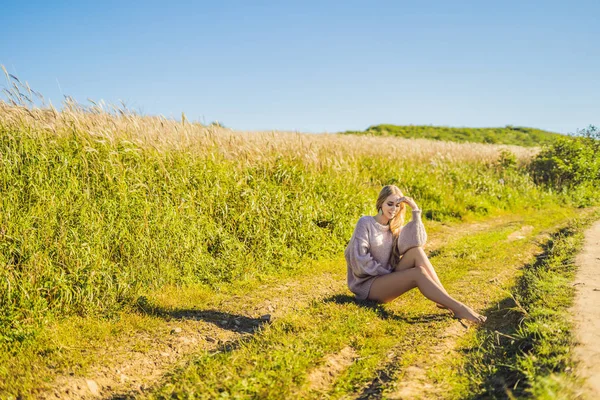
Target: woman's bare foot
x,y
465,312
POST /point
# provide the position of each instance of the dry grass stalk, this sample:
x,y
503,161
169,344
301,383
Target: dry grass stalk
x,y
116,124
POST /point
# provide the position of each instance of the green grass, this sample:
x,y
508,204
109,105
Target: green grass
x,y
276,361
103,237
87,224
526,351
514,135
77,344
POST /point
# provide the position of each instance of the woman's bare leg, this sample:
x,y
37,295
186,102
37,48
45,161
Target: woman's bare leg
x,y
386,288
416,256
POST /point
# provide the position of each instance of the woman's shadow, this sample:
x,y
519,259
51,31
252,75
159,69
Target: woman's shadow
x,y
228,321
382,312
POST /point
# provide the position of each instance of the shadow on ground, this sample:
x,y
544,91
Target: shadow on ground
x,y
382,312
229,321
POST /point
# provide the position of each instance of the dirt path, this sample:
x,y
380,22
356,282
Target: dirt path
x,y
130,373
414,382
587,312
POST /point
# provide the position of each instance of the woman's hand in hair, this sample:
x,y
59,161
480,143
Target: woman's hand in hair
x,y
411,203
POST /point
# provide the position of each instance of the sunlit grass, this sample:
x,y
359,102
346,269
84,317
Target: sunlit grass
x,y
102,209
97,207
526,350
276,362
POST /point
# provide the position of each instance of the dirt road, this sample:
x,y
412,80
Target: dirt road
x,y
587,312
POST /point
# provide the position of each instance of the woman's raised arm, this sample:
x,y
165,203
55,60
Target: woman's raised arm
x,y
412,234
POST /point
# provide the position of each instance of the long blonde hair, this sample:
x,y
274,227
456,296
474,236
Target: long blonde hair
x,y
395,223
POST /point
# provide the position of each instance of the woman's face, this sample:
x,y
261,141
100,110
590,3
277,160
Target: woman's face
x,y
391,206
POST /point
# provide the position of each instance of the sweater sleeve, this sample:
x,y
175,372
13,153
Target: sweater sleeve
x,y
412,234
358,256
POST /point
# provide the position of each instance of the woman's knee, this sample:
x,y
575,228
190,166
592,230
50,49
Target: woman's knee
x,y
420,271
414,251
417,253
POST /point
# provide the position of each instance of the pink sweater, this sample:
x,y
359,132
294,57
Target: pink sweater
x,y
369,251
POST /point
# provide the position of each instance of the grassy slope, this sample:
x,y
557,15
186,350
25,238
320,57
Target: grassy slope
x,y
519,136
313,328
95,225
90,221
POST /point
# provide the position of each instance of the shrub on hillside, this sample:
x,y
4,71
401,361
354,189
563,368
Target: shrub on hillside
x,y
571,163
506,159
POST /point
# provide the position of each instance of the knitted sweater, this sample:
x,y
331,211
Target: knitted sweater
x,y
369,251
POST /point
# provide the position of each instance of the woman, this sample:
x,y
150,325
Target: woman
x,y
385,259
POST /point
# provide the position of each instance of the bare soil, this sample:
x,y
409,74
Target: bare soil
x,y
132,372
415,382
321,378
521,233
586,312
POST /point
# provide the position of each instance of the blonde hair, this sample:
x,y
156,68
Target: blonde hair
x,y
395,223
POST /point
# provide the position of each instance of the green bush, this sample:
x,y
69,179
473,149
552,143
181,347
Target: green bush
x,y
571,166
506,160
570,161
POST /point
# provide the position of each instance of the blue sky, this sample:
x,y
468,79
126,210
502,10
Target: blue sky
x,y
317,66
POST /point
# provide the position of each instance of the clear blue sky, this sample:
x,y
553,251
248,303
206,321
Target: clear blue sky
x,y
317,66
